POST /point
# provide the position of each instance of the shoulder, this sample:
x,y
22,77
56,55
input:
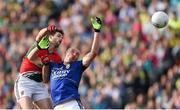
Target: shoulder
x,y
79,63
42,53
54,64
55,57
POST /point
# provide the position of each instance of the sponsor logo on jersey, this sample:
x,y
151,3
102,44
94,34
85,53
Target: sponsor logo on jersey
x,y
59,72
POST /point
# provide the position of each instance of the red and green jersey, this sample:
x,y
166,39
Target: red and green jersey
x,y
28,66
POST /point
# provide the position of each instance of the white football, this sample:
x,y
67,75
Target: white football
x,y
159,19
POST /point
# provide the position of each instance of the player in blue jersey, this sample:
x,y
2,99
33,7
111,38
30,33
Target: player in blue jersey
x,y
65,76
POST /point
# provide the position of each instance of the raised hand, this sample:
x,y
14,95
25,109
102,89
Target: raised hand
x,y
96,23
51,28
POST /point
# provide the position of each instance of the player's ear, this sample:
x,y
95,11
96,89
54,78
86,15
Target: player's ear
x,y
50,37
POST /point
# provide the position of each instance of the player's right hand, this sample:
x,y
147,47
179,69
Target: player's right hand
x,y
51,28
43,44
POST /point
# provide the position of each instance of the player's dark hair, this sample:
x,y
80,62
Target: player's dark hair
x,y
60,31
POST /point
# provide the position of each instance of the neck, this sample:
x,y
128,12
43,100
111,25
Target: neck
x,y
66,62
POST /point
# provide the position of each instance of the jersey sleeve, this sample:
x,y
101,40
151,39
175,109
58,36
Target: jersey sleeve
x,y
40,53
32,47
83,67
50,65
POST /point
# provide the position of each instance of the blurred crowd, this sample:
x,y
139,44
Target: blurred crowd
x,y
138,65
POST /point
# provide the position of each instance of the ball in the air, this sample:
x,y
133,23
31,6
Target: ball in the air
x,y
159,19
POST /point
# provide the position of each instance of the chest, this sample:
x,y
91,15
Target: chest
x,y
65,71
54,56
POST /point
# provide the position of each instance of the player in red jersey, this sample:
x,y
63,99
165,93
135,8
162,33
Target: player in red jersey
x,y
29,88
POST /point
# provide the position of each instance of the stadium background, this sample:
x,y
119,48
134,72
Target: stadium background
x,y
137,66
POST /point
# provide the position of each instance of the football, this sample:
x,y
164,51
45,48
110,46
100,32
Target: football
x,y
159,19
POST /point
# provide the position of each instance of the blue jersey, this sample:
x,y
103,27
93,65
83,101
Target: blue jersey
x,y
65,81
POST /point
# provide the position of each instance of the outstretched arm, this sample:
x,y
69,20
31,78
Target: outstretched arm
x,y
89,57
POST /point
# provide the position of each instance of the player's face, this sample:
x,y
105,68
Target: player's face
x,y
56,39
72,55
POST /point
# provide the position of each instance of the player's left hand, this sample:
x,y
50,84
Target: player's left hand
x,y
45,60
96,23
43,44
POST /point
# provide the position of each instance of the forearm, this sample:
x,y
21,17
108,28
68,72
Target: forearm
x,y
41,34
87,59
95,44
45,73
32,54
